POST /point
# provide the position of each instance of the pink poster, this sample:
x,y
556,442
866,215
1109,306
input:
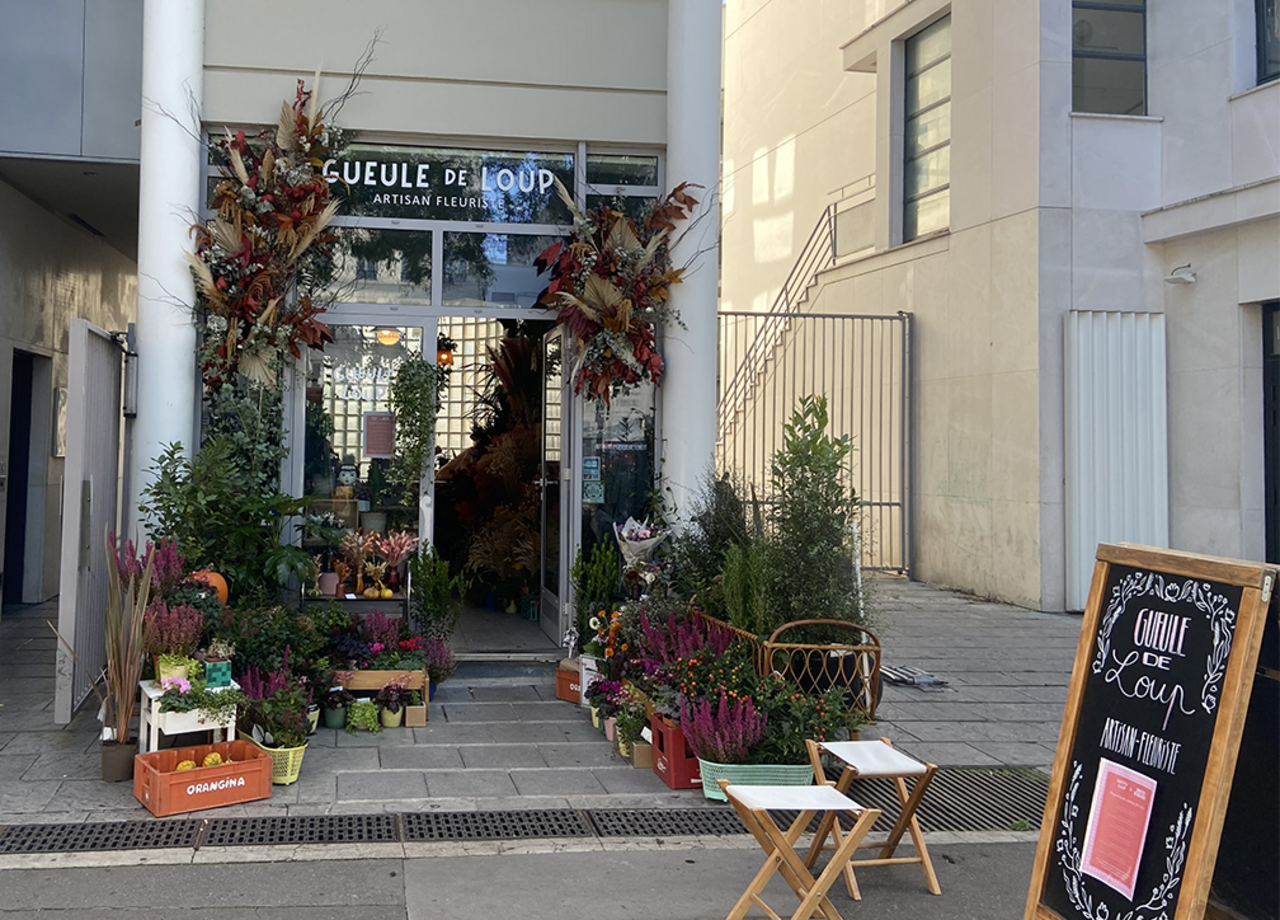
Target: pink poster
x,y
379,435
1117,828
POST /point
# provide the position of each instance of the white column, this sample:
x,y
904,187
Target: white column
x,y
169,197
688,392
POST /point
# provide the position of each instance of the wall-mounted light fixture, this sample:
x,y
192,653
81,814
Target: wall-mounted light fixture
x,y
444,358
1181,275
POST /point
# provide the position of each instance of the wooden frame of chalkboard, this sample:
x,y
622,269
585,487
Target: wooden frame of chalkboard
x,y
1150,734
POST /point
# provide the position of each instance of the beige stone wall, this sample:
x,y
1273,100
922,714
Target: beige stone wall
x,y
973,292
50,273
1216,473
554,70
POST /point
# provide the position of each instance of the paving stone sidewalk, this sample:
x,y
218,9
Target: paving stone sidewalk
x,y
502,742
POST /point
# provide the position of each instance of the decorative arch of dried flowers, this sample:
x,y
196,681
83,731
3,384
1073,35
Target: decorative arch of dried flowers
x,y
272,208
611,284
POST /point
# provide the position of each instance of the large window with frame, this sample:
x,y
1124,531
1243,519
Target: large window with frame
x,y
926,190
1109,57
1268,39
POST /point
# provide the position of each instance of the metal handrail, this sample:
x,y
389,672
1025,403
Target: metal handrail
x,y
819,252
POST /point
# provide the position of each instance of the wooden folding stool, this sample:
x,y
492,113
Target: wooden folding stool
x,y
865,759
753,804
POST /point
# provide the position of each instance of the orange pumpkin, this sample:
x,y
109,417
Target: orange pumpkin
x,y
214,581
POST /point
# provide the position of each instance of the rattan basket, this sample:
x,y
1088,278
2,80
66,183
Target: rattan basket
x,y
286,763
752,774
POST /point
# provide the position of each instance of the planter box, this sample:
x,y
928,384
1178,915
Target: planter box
x,y
286,763
374,680
641,756
164,791
415,716
569,685
748,774
673,761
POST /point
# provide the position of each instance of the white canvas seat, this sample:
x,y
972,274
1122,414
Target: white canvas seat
x,y
865,759
753,804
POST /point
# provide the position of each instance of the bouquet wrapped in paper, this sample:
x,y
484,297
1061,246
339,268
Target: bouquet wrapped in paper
x,y
638,541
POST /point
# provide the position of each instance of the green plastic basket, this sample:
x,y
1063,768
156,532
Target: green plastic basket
x,y
751,774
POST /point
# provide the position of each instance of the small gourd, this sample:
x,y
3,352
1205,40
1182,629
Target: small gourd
x,y
186,765
212,759
386,594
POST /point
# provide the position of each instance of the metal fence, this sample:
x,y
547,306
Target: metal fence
x,y
768,361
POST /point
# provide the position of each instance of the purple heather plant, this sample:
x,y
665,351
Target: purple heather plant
x,y
171,630
728,732
378,627
439,659
683,638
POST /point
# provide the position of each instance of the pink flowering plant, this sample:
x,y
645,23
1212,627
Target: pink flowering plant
x,y
183,695
724,731
171,630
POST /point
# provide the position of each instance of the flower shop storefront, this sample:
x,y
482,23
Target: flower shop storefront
x,y
449,400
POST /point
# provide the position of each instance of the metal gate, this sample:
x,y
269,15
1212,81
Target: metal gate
x,y
90,506
768,361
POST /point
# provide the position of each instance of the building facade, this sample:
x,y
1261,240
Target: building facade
x,y
1079,206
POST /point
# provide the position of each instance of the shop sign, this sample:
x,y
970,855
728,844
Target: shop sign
x,y
450,184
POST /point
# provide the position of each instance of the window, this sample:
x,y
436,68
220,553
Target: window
x,y
927,144
1268,40
1109,57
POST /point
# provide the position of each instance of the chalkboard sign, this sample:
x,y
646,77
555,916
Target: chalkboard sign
x,y
1149,738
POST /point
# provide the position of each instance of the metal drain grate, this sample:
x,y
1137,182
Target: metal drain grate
x,y
108,835
495,825
964,799
669,822
246,832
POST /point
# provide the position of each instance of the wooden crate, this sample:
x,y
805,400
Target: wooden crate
x,y
374,680
164,791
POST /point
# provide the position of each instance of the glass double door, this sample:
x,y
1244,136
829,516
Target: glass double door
x,y
561,495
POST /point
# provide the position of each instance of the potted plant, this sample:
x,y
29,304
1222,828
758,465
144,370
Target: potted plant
x,y
435,601
208,705
217,663
336,702
415,711
173,633
123,627
725,736
362,715
440,664
392,699
632,719
277,718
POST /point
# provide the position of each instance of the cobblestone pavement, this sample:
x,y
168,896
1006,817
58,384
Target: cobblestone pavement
x,y
499,739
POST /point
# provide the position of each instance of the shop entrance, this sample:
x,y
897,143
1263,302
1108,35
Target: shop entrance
x,y
24,475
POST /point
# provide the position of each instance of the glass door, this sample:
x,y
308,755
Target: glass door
x,y
557,500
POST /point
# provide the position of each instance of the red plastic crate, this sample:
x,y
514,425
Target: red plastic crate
x,y
672,760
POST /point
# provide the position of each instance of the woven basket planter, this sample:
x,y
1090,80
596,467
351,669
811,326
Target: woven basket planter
x,y
751,774
286,763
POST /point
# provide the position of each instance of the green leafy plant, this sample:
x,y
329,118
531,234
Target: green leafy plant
x,y
632,718
415,399
745,585
794,716
216,706
211,508
362,716
718,521
809,555
595,583
435,601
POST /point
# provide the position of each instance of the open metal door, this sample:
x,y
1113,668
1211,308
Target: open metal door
x,y
90,507
559,496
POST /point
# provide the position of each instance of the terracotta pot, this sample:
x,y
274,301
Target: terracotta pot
x,y
610,728
117,761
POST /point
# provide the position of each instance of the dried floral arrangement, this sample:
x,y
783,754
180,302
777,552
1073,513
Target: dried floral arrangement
x,y
611,284
272,209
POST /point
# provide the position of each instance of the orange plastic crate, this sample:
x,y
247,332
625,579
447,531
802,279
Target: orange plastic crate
x,y
568,687
164,791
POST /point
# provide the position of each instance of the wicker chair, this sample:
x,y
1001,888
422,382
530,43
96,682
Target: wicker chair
x,y
817,667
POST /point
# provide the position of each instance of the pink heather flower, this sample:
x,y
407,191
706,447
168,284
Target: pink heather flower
x,y
376,647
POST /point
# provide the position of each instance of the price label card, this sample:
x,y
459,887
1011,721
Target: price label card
x,y
1117,828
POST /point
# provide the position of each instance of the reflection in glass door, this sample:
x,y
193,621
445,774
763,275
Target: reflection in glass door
x,y
557,538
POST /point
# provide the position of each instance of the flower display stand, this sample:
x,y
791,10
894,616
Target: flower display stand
x,y
153,722
244,776
673,761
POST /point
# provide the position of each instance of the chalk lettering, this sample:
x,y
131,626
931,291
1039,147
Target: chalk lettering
x,y
1145,687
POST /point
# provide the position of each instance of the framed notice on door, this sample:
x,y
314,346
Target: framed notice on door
x,y
1149,738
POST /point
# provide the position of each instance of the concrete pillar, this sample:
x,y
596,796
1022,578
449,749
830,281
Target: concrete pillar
x,y
169,200
688,392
